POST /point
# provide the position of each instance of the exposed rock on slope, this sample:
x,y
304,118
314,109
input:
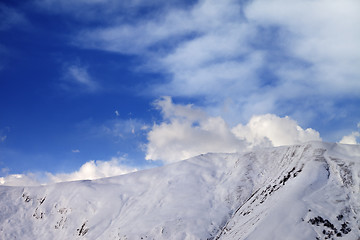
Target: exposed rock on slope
x,y
308,191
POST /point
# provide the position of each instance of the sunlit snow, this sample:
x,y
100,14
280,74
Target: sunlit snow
x,y
308,191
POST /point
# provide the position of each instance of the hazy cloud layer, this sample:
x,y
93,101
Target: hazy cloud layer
x,y
187,131
19,180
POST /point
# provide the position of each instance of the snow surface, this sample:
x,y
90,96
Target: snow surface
x,y
309,191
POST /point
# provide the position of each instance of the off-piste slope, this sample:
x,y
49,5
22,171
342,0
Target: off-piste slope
x,y
308,191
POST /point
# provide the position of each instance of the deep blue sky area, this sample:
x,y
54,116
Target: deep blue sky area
x,y
83,80
44,122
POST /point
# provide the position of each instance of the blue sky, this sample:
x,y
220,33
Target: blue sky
x,y
85,80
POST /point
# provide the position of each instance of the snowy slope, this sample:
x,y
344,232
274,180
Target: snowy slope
x,y
315,196
308,191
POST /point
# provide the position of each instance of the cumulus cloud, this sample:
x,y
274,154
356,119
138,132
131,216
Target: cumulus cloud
x,y
241,58
78,77
94,170
351,138
88,171
272,130
187,131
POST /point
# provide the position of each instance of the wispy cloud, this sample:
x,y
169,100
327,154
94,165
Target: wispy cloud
x,y
122,128
77,78
10,17
101,10
118,130
3,134
260,56
241,58
3,138
319,34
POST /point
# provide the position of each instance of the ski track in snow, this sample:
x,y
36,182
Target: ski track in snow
x,y
307,191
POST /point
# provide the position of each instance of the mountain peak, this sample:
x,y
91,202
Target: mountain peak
x,y
306,191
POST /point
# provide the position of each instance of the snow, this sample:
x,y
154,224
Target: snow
x,y
272,193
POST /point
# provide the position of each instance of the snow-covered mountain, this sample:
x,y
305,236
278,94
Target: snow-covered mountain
x,y
309,191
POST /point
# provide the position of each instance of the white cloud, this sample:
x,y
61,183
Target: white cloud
x,y
351,138
75,151
275,131
19,180
88,171
78,77
3,138
94,170
321,33
170,111
265,56
187,131
218,57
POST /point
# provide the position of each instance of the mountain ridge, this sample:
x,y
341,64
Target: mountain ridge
x,y
305,191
